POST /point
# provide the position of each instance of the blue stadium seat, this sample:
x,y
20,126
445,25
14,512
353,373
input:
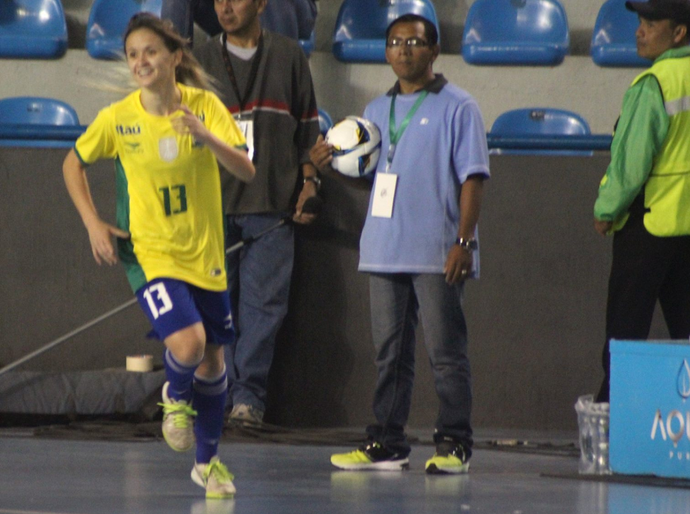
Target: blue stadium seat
x,y
32,121
32,29
360,29
540,122
613,39
325,121
108,20
516,32
35,110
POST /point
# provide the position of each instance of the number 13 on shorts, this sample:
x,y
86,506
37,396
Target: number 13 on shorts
x,y
158,299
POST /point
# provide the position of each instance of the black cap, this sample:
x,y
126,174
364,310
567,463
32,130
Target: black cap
x,y
676,10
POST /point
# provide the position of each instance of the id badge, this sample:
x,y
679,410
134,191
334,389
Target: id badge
x,y
384,195
247,127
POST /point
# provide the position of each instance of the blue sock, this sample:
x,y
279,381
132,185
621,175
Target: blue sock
x,y
180,377
209,403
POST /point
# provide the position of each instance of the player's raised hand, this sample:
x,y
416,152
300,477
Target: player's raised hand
x,y
187,123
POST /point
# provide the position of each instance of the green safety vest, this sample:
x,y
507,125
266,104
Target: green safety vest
x,y
667,191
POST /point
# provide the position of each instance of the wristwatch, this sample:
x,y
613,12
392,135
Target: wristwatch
x,y
467,244
315,179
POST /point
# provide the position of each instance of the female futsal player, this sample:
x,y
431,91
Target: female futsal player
x,y
166,139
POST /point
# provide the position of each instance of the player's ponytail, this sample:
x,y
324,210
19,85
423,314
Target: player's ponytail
x,y
189,71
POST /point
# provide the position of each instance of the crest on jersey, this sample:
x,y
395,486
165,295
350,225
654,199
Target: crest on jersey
x,y
167,148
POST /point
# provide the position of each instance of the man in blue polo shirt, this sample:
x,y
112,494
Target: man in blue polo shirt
x,y
419,245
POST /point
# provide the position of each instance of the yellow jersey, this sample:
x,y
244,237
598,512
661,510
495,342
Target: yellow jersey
x,y
168,188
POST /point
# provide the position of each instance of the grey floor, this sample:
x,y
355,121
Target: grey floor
x,y
46,476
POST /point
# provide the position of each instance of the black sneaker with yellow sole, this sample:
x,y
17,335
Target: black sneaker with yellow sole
x,y
371,456
450,458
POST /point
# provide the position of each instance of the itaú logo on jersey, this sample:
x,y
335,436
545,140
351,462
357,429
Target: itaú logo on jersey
x,y
128,130
676,424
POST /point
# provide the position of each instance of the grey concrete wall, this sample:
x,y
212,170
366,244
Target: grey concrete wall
x,y
535,318
49,282
577,84
343,89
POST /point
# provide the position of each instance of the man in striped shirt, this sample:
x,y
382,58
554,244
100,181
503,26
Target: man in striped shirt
x,y
265,82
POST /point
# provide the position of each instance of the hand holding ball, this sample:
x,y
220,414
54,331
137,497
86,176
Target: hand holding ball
x,y
356,146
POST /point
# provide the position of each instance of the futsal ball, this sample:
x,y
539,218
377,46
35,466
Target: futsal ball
x,y
356,146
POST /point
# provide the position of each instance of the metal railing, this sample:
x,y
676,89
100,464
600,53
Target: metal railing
x,y
513,142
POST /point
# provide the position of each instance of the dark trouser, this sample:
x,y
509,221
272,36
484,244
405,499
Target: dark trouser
x,y
645,268
183,14
396,298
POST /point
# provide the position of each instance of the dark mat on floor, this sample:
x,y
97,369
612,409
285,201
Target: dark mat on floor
x,y
641,480
541,448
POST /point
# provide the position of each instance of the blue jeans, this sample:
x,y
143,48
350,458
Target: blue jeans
x,y
259,282
396,300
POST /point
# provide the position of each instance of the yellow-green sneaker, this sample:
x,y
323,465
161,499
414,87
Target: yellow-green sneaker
x,y
215,478
450,458
372,456
178,422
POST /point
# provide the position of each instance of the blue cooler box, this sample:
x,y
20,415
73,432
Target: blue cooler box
x,y
650,413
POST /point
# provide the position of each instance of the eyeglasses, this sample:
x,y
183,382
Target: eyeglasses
x,y
412,42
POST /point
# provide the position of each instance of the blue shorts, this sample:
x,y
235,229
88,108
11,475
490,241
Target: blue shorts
x,y
172,305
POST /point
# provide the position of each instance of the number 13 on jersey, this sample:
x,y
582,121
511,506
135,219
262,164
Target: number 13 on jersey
x,y
174,199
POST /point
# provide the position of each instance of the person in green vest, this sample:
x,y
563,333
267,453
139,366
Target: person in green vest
x,y
644,197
